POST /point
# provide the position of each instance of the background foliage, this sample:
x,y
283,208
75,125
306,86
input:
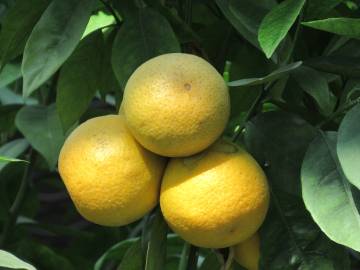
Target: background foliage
x,y
294,69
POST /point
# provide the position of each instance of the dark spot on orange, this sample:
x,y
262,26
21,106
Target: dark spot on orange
x,y
187,86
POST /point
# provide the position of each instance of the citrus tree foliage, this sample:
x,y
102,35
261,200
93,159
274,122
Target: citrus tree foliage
x,y
293,72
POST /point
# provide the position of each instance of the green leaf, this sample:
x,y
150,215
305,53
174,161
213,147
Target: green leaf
x,y
277,23
53,39
8,159
9,74
278,73
245,16
270,138
79,79
9,97
211,262
133,258
12,150
343,65
97,21
17,27
341,26
324,181
42,128
156,250
291,240
153,37
10,261
348,145
115,252
316,85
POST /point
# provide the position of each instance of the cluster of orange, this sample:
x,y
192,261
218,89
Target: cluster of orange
x,y
164,146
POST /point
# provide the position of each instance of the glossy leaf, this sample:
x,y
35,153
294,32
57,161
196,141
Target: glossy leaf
x,y
98,21
341,26
79,79
153,37
133,258
277,23
156,250
52,40
348,146
42,128
8,260
316,85
11,151
270,138
17,27
324,181
280,72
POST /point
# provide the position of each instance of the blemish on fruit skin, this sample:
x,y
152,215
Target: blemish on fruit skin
x,y
187,86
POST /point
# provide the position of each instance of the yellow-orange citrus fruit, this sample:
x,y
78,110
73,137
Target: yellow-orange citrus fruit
x,y
215,199
247,253
176,104
111,179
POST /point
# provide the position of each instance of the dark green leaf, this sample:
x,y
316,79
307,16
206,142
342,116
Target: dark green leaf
x,y
153,37
270,138
291,240
280,72
53,39
316,85
211,262
115,252
17,27
341,26
324,181
133,258
12,150
156,250
10,261
348,146
317,8
42,128
9,73
348,66
351,92
245,16
7,118
79,79
277,23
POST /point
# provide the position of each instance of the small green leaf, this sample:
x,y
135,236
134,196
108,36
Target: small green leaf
x,y
133,258
117,251
9,74
42,128
97,21
10,261
341,26
53,39
8,159
17,27
270,138
278,73
79,79
324,181
277,23
153,37
11,150
348,146
316,85
156,251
